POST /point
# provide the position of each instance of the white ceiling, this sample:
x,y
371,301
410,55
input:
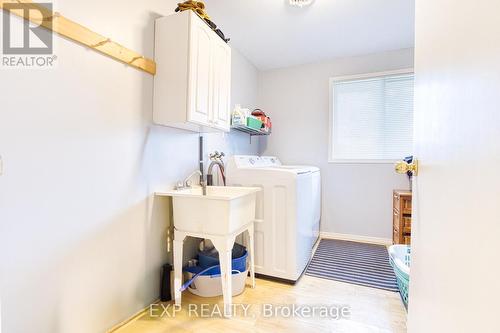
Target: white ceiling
x,y
271,34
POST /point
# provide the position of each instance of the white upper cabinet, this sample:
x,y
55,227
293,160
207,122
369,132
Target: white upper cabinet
x,y
221,84
192,86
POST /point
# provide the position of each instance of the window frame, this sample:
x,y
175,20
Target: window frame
x,y
331,113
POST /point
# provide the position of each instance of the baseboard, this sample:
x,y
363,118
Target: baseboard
x,y
131,319
356,238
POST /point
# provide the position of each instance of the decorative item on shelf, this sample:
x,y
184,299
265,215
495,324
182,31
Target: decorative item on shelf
x,y
199,8
266,121
239,116
254,123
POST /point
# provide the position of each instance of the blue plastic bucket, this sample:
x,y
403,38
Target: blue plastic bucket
x,y
205,261
239,265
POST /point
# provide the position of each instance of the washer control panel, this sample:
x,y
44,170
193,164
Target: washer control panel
x,y
254,161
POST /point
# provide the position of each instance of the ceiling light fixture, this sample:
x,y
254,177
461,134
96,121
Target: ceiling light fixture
x,y
300,3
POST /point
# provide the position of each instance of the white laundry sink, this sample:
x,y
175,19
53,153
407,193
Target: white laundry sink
x,y
223,210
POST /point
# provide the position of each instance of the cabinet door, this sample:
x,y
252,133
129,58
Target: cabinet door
x,y
200,73
221,80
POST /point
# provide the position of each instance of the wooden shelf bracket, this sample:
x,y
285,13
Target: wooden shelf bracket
x,y
65,27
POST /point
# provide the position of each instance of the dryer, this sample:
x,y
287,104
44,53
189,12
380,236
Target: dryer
x,y
287,212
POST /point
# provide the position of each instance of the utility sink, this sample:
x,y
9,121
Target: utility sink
x,y
223,210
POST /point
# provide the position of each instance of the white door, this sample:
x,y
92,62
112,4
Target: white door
x,y
455,272
221,92
200,73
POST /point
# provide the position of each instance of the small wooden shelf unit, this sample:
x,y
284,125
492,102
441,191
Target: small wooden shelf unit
x,y
401,217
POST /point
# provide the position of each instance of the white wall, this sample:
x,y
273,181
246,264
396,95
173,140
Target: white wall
x,y
356,197
454,274
81,241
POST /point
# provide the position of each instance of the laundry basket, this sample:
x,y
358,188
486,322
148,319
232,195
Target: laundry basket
x,y
400,258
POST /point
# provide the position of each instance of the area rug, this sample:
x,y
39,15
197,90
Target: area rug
x,y
358,263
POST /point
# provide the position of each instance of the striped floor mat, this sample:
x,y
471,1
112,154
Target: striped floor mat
x,y
351,262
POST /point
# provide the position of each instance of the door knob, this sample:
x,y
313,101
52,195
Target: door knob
x,y
403,167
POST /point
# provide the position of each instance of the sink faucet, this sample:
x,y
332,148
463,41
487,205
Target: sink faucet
x,y
186,183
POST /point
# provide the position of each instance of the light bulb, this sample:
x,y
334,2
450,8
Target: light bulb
x,y
300,3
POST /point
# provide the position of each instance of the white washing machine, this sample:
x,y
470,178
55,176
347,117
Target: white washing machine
x,y
287,212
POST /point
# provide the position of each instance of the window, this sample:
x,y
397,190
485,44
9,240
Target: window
x,y
371,117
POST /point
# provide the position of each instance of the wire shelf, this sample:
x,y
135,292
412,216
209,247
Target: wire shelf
x,y
249,130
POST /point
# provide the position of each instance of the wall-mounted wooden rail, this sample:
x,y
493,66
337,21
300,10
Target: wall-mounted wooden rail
x,y
78,33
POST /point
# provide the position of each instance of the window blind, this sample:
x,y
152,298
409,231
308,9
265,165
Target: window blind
x,y
373,118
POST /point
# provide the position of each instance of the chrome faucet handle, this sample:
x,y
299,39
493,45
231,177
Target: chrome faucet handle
x,y
188,184
213,155
216,155
179,185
